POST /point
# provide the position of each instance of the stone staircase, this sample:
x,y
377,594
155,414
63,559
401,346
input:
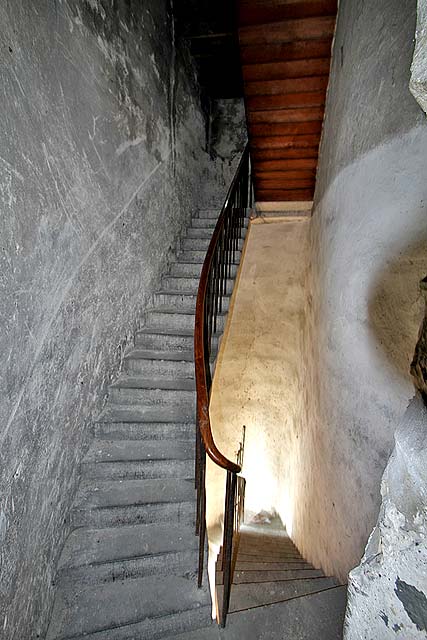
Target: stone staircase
x,y
128,568
275,593
269,569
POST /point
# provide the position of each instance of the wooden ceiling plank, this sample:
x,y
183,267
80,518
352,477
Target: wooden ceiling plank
x,y
285,115
258,13
287,128
288,31
284,195
283,154
299,50
286,164
286,69
284,184
289,85
297,174
286,142
309,99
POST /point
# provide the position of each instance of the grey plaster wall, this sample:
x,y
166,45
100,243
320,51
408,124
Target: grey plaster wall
x,y
102,162
368,253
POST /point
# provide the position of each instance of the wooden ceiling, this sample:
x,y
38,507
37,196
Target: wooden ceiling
x,y
285,50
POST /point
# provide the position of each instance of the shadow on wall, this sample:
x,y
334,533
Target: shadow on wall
x,y
395,306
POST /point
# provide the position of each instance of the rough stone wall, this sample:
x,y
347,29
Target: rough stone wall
x,y
368,253
418,82
102,163
419,362
387,593
387,596
226,139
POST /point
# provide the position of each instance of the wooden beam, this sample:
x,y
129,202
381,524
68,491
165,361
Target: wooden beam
x,y
288,31
309,99
286,69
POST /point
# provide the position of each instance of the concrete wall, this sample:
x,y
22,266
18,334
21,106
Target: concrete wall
x,y
368,253
102,163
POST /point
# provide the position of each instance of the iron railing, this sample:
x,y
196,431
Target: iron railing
x,y
214,279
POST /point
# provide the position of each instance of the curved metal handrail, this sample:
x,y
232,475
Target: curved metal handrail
x,y
202,390
215,272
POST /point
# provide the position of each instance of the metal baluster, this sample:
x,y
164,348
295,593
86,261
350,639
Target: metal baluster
x,y
223,284
215,287
202,519
227,548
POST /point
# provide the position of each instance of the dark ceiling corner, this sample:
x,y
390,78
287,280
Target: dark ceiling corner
x,y
210,28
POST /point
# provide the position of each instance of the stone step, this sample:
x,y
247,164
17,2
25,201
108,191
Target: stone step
x,y
271,566
152,384
204,223
160,339
193,270
183,301
210,223
318,616
247,577
115,553
145,431
128,450
270,549
198,256
247,596
141,413
149,607
178,300
104,503
160,364
266,559
210,212
200,232
189,285
202,244
127,459
168,319
138,469
130,390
